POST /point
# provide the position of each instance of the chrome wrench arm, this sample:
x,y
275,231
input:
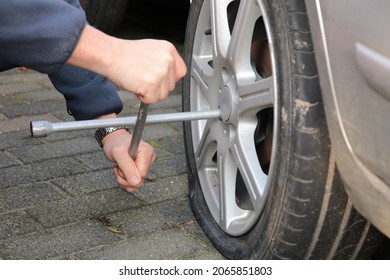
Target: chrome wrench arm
x,y
138,129
44,128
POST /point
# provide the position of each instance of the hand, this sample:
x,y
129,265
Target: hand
x,y
129,174
147,68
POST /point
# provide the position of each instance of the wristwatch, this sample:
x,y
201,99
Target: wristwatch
x,y
103,132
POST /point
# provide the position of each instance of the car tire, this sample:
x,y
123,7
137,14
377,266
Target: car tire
x,y
263,179
104,15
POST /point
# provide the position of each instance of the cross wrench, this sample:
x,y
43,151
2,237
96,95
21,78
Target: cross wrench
x,y
44,128
138,129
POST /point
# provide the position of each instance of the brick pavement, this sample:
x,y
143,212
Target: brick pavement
x,y
59,198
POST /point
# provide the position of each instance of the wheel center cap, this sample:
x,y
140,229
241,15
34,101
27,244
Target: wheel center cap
x,y
226,104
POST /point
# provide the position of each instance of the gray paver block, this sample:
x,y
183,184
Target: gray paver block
x,y
16,223
58,241
95,161
157,131
26,109
71,147
23,196
170,166
6,160
84,207
22,123
138,221
17,139
177,213
174,144
87,183
42,95
15,77
170,244
163,189
42,171
11,89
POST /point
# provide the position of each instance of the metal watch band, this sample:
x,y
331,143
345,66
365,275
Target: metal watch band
x,y
100,133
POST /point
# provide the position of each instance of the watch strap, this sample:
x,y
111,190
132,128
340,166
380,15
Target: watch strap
x,y
100,133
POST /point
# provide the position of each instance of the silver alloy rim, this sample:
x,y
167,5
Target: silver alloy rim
x,y
223,77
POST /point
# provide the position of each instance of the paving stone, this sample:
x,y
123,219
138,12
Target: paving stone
x,y
95,161
170,244
133,222
42,94
11,89
6,160
56,149
16,223
17,139
22,123
174,144
23,196
58,241
22,174
163,189
157,131
87,182
170,166
16,78
9,100
26,109
83,207
177,213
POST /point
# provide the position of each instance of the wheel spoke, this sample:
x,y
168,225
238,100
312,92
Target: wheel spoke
x,y
245,156
203,76
229,211
256,96
238,53
202,71
220,29
214,135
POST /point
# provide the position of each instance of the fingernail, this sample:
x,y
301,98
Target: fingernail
x,y
134,180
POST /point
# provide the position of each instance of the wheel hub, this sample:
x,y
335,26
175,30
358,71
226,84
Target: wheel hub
x,y
227,103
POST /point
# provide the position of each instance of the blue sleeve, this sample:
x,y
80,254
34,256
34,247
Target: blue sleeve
x,y
87,94
39,34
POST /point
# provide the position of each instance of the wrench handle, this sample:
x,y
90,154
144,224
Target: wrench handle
x,y
138,129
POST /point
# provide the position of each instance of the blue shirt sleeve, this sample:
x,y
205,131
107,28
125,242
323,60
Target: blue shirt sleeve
x,y
88,95
39,34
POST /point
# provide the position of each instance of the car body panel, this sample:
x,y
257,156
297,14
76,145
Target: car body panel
x,y
353,59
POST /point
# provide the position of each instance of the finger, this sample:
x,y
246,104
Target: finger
x,y
129,171
122,182
145,157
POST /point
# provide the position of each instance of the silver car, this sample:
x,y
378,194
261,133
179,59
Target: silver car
x,y
297,167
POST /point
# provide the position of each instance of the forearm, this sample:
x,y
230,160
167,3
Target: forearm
x,y
95,51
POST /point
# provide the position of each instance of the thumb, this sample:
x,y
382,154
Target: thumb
x,y
128,171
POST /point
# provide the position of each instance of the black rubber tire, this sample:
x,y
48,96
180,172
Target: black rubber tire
x,y
308,215
105,15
